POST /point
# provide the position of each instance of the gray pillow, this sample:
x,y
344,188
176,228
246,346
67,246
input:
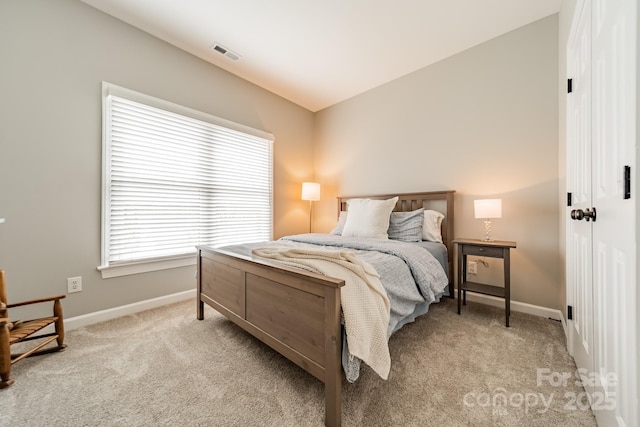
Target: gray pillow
x,y
342,219
406,226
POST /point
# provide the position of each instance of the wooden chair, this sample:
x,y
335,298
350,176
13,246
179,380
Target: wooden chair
x,y
24,331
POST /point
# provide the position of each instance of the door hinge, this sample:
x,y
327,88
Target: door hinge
x,y
569,85
627,182
569,199
570,312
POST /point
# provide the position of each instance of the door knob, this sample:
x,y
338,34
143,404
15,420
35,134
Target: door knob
x,y
588,214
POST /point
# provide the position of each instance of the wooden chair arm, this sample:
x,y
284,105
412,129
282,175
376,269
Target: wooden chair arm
x,y
3,321
36,301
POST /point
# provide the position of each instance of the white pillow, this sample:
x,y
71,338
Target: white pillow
x,y
431,229
368,218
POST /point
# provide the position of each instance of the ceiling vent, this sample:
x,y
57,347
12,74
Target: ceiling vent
x,y
216,47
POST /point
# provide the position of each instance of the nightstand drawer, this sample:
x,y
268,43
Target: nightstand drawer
x,y
482,251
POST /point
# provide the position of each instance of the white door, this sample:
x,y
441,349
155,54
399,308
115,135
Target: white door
x,y
602,255
613,147
580,232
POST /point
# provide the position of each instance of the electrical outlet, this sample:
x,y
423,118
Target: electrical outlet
x,y
472,267
74,284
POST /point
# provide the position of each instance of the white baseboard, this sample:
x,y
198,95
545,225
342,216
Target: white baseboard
x,y
112,313
521,307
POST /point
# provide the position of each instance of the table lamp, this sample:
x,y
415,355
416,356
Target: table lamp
x,y
487,209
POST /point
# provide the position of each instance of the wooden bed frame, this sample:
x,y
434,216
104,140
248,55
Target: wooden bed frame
x,y
297,313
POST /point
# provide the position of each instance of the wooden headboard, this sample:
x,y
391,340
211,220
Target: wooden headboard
x,y
441,201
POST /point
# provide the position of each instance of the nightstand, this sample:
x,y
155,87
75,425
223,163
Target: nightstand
x,y
492,249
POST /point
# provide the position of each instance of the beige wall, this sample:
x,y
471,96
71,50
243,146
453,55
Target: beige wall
x,y
54,56
484,123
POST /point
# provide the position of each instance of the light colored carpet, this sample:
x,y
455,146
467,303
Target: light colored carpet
x,y
164,367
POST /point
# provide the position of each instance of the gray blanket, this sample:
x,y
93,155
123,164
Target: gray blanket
x,y
409,273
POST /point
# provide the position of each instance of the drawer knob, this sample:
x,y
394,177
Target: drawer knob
x,y
481,249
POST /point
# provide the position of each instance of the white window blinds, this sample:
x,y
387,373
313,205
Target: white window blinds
x,y
175,180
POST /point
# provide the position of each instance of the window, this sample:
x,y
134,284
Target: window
x,y
174,178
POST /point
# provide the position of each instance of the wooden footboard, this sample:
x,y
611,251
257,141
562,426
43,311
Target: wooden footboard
x,y
294,312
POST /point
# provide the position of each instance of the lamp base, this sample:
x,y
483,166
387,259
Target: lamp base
x,y
487,231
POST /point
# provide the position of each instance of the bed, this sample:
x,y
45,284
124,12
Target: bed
x,y
298,312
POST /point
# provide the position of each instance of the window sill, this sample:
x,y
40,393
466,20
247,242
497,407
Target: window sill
x,y
126,269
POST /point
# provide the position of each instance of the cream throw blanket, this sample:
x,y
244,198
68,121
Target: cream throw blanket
x,y
365,305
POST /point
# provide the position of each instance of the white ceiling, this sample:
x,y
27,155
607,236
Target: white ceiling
x,y
319,52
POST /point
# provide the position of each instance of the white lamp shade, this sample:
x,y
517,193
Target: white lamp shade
x,y
310,191
488,208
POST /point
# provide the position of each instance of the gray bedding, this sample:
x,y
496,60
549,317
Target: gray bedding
x,y
413,274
